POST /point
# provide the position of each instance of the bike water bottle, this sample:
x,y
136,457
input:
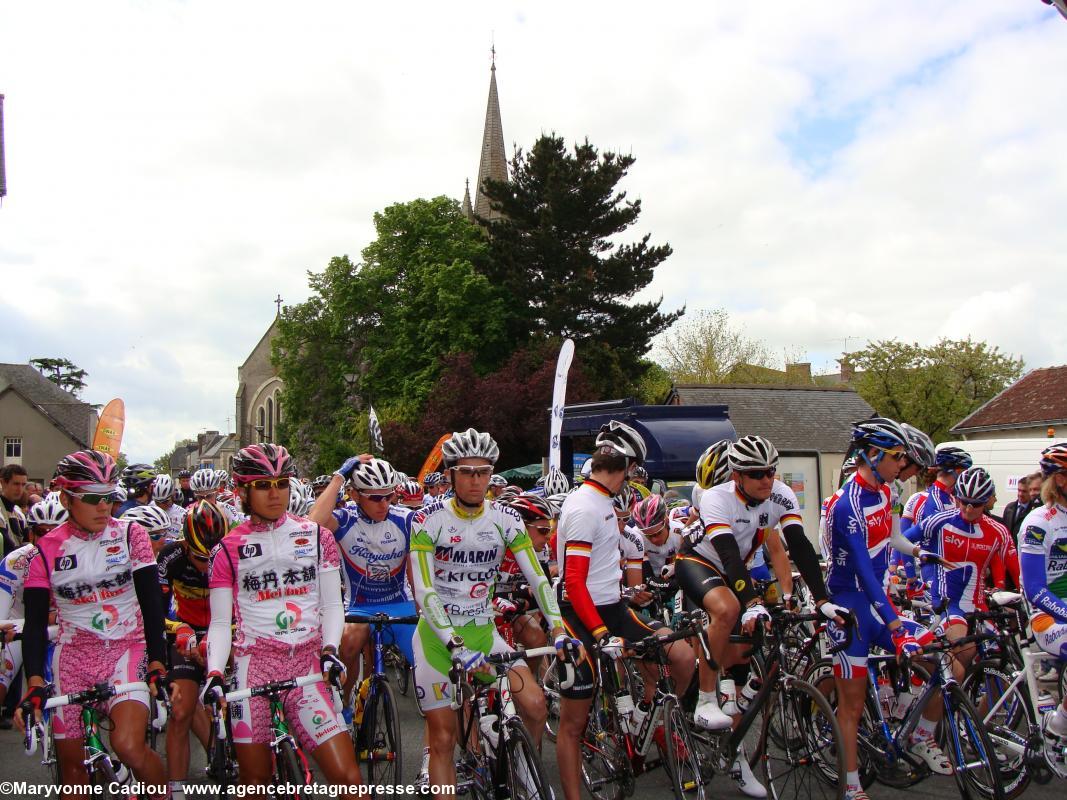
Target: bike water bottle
x,y
748,692
624,704
361,699
638,717
728,690
490,729
122,774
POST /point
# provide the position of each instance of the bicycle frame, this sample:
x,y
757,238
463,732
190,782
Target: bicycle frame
x,y
1026,673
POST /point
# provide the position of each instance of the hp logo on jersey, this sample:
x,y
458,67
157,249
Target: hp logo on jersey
x,y
250,551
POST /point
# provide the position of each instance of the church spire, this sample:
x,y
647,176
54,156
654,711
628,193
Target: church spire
x,y
493,162
468,212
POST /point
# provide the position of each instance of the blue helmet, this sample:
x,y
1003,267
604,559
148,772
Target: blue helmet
x,y
949,457
879,432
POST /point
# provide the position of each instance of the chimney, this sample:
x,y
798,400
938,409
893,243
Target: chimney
x,y
798,374
848,371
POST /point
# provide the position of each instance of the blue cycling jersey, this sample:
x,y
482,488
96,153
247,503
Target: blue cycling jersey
x,y
374,555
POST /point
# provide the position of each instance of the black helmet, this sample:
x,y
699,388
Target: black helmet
x,y
138,477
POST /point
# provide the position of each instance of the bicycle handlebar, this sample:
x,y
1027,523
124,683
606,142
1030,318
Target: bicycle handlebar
x,y
381,619
273,687
96,694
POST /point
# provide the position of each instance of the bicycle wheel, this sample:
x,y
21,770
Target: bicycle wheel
x,y
1009,719
290,766
678,751
49,759
378,739
221,763
525,774
606,770
103,776
802,755
399,669
968,747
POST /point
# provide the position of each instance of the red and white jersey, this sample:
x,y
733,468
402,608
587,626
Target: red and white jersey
x,y
588,525
972,549
913,505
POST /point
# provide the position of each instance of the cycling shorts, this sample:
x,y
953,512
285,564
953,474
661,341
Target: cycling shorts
x,y
1051,636
696,577
183,668
77,668
868,631
433,689
309,710
620,619
400,635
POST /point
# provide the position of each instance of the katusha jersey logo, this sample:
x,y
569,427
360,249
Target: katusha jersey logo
x,y
106,618
288,618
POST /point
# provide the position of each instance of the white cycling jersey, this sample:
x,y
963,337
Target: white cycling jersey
x,y
724,512
659,555
176,514
632,548
13,570
588,522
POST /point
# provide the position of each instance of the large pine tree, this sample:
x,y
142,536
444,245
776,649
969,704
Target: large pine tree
x,y
556,249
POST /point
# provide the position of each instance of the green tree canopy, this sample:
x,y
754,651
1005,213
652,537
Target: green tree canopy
x,y
556,251
935,387
62,372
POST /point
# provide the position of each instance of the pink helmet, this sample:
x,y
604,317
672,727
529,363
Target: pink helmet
x,y
262,461
87,470
650,513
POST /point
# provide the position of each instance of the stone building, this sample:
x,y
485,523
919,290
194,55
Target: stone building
x,y
259,408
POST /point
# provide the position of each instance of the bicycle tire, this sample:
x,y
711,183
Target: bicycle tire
x,y
103,775
221,763
51,760
525,774
1009,727
802,752
606,770
679,754
400,670
379,744
290,766
969,734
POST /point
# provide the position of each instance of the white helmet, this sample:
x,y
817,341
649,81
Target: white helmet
x,y
223,476
974,485
47,512
300,497
469,444
620,438
205,480
556,482
375,475
752,452
163,488
151,518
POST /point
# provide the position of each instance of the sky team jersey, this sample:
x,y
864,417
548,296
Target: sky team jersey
x,y
374,555
587,524
971,548
273,571
659,555
1043,556
724,512
938,499
859,524
467,551
90,577
13,570
913,504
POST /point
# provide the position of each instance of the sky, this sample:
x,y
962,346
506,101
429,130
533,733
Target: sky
x,y
829,172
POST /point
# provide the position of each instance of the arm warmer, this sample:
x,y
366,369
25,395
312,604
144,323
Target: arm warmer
x,y
219,634
35,630
736,571
433,610
574,583
806,559
146,583
522,550
331,611
1035,584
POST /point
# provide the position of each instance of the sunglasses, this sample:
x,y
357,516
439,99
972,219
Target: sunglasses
x,y
95,499
544,529
471,472
622,517
760,474
155,537
896,455
378,498
199,557
652,533
263,484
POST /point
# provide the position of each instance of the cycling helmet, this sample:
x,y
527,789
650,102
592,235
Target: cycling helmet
x,y
183,474
402,477
650,513
532,507
300,497
320,482
120,493
974,486
949,457
509,493
138,477
920,446
713,467
879,432
87,470
619,438
163,488
151,518
47,512
203,527
469,444
556,482
498,480
375,475
263,461
224,477
751,452
432,479
624,499
177,496
1054,459
639,473
556,502
849,465
409,492
204,480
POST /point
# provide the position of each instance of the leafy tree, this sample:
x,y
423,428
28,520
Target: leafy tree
x,y
556,251
935,387
62,372
707,348
162,464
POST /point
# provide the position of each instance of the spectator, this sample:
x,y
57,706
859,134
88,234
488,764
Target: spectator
x,y
188,497
13,482
1016,509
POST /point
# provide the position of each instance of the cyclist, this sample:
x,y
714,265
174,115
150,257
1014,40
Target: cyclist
x,y
101,638
183,577
163,495
457,547
860,522
155,522
137,480
1044,576
661,546
434,484
588,551
949,462
206,485
277,577
497,484
737,518
373,537
187,495
410,495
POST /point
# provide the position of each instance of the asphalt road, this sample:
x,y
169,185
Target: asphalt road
x,y
15,765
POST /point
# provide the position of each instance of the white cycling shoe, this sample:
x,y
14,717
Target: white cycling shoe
x,y
710,717
746,781
932,755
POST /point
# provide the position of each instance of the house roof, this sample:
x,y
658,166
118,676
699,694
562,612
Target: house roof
x,y
1038,398
72,416
794,418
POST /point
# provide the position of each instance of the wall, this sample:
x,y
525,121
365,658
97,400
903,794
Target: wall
x,y
257,381
1034,432
43,444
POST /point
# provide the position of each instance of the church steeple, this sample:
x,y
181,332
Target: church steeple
x,y
493,161
468,212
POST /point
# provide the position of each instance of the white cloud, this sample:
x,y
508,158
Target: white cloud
x,y
172,167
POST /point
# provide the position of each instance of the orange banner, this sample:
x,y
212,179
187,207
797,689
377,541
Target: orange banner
x,y
108,436
433,461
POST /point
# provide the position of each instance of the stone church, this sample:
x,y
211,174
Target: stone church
x,y
258,403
